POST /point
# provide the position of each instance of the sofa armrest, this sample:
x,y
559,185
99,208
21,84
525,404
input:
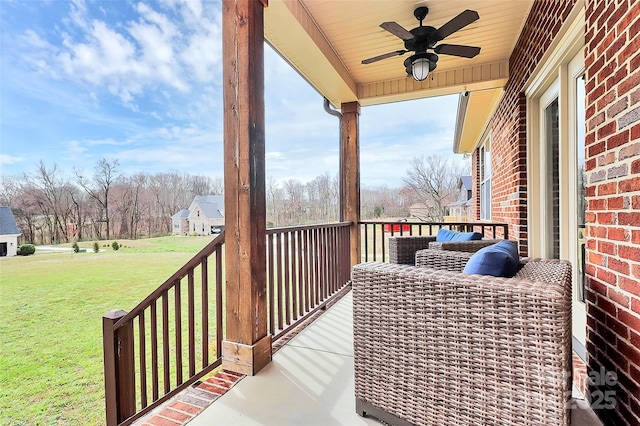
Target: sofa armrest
x,y
402,249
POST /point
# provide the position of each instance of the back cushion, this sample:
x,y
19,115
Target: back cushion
x,y
446,235
498,260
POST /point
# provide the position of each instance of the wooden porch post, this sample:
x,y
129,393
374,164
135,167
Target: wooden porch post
x,y
247,347
350,146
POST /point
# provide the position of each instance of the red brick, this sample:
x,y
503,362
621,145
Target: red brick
x,y
211,388
618,265
187,408
598,287
598,204
596,121
629,352
618,139
217,382
618,327
635,202
617,108
635,167
606,247
606,218
629,252
635,236
630,185
608,307
633,321
160,421
228,377
596,258
632,219
175,415
606,130
617,234
618,203
618,297
629,49
635,130
606,276
607,188
630,83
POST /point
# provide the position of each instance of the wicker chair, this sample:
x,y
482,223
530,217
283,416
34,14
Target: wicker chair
x,y
402,249
434,347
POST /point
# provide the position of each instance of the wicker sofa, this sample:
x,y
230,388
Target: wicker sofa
x,y
402,249
435,347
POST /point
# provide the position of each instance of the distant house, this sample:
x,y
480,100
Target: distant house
x,y
9,233
460,210
205,216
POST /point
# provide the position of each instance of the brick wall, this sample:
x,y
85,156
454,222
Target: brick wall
x,y
508,128
612,62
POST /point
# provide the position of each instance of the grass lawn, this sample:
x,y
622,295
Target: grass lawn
x,y
51,327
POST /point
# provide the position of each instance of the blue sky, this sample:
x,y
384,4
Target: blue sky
x,y
140,82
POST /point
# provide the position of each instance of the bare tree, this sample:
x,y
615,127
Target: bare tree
x,y
432,180
104,176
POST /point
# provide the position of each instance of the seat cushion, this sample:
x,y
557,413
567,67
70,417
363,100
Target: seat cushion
x,y
498,260
446,235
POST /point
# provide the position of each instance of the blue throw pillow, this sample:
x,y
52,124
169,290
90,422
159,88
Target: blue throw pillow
x,y
498,260
447,235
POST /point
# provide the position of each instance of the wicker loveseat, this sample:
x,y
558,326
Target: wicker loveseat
x,y
435,347
402,249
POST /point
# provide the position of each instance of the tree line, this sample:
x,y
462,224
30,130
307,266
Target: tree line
x,y
51,206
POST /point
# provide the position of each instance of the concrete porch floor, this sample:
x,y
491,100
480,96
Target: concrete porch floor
x,y
310,382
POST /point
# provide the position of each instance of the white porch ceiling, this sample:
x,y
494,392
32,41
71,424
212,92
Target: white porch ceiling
x,y
325,40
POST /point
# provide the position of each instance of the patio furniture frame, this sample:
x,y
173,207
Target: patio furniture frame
x,y
435,347
402,249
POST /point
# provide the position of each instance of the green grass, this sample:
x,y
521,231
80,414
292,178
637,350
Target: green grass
x,y
51,326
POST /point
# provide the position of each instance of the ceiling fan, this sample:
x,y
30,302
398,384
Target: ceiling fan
x,y
423,38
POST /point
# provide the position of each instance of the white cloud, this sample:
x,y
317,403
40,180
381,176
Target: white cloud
x,y
6,159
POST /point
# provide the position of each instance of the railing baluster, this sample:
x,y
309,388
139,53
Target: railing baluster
x,y
375,241
192,323
366,242
279,280
143,360
300,273
155,387
205,311
165,342
307,275
178,322
287,279
219,302
294,277
270,283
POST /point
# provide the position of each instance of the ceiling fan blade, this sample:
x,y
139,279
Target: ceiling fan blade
x,y
457,23
397,30
385,56
457,50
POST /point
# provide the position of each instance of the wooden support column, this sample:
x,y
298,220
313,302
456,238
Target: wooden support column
x,y
350,146
247,347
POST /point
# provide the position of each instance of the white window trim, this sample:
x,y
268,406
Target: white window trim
x,y
483,153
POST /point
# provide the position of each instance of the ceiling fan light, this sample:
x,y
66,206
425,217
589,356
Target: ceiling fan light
x,y
420,68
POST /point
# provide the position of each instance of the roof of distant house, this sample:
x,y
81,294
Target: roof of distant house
x,y
8,222
466,182
182,214
212,205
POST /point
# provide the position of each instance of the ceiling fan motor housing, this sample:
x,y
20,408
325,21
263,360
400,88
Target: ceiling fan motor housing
x,y
424,38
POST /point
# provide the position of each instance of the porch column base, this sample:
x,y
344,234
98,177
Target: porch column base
x,y
246,359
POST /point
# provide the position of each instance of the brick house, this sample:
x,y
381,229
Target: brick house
x,y
9,233
205,216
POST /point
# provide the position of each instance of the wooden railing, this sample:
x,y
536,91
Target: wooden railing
x,y
305,266
375,234
151,353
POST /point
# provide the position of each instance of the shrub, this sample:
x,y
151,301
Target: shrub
x,y
96,247
26,249
76,247
115,245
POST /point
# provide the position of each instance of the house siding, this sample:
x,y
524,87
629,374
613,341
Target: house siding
x,y
508,127
612,62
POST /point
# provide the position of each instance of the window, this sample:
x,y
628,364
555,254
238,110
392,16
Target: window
x,y
485,180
